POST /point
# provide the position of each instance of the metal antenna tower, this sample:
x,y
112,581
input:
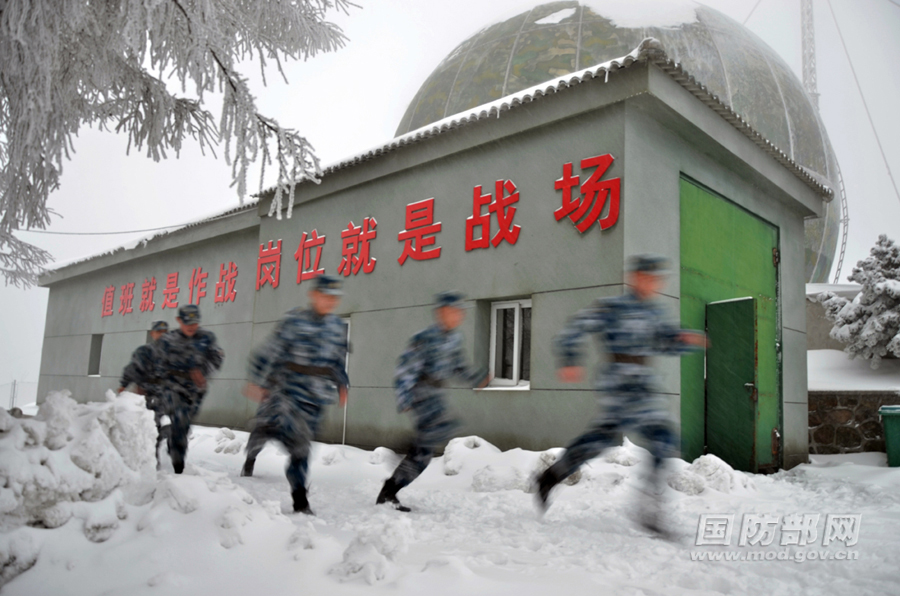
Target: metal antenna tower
x,y
808,37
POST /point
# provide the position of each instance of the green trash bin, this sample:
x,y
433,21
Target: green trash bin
x,y
890,418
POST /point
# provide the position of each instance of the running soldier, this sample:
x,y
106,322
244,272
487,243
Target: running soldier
x,y
185,358
432,358
293,375
633,329
141,374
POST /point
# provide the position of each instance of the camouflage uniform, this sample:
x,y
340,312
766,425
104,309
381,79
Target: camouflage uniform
x,y
176,356
635,329
433,357
141,372
301,365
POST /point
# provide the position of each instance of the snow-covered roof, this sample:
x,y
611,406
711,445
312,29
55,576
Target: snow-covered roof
x,y
843,290
649,50
209,218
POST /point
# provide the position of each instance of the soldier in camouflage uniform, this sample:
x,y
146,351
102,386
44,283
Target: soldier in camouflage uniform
x,y
432,358
141,374
633,329
294,374
184,359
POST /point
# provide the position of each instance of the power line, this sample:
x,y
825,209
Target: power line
x,y
865,104
752,10
181,225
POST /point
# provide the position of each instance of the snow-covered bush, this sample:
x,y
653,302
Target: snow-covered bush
x,y
76,460
870,323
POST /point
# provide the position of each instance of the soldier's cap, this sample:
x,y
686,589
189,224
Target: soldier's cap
x,y
450,298
328,284
159,326
655,264
189,314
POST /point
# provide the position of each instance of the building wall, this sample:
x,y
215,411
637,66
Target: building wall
x,y
74,315
654,139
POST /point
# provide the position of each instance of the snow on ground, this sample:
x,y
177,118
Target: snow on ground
x,y
833,370
473,530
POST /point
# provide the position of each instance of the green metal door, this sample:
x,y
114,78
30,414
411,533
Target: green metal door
x,y
731,381
727,253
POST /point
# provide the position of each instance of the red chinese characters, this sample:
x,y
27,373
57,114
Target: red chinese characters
x,y
419,232
307,264
198,283
147,290
268,265
126,298
225,291
501,206
355,249
109,297
595,192
170,293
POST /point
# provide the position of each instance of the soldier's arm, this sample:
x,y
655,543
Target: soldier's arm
x,y
474,377
340,363
672,340
131,373
409,369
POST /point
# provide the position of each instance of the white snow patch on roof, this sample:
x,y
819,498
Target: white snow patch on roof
x,y
833,370
843,290
645,13
557,17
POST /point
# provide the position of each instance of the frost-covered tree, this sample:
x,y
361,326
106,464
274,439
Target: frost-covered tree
x,y
870,323
67,63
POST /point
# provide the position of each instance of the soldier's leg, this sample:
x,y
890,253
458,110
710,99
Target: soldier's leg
x,y
601,434
662,442
259,436
297,438
178,435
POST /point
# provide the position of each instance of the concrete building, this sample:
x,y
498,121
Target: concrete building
x,y
533,214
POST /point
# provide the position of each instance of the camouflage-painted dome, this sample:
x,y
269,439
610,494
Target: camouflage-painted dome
x,y
558,38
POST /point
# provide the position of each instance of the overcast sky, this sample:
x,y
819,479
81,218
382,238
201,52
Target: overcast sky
x,y
353,99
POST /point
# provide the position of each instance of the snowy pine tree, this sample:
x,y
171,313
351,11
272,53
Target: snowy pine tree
x,y
870,323
66,63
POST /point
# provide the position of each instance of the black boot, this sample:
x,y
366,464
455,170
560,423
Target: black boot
x,y
544,485
388,494
301,503
247,470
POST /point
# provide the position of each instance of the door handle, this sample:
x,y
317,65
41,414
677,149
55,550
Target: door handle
x,y
751,387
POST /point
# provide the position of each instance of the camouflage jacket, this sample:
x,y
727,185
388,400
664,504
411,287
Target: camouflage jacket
x,y
306,339
176,355
432,358
141,370
626,325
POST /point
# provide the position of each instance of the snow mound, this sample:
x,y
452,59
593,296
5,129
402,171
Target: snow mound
x,y
495,478
229,443
460,449
623,455
371,554
330,455
708,471
18,553
72,458
382,455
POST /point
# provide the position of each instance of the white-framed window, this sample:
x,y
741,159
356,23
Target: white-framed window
x,y
510,359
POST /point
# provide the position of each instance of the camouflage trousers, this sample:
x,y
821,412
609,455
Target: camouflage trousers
x,y
181,407
630,408
294,425
434,427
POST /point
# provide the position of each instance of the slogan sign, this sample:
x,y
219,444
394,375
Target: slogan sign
x,y
582,202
